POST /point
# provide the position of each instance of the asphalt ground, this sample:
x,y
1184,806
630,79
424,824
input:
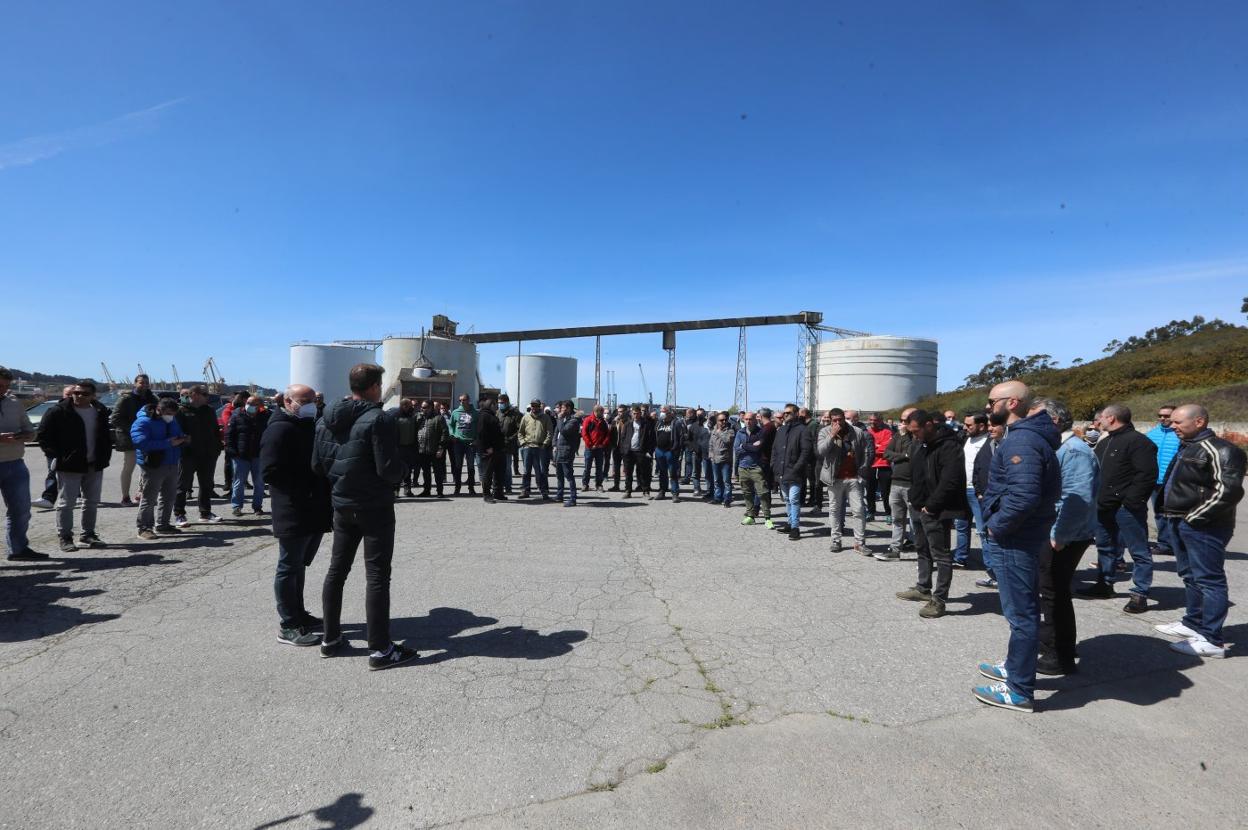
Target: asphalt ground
x,y
619,664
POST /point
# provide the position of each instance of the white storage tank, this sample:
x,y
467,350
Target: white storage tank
x,y
543,376
324,366
447,355
872,374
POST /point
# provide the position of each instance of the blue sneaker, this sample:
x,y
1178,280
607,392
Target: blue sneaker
x,y
999,694
994,671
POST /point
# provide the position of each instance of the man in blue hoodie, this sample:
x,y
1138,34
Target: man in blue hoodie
x,y
1167,441
157,438
1019,507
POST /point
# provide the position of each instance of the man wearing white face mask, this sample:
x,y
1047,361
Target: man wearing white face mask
x,y
300,506
242,444
158,440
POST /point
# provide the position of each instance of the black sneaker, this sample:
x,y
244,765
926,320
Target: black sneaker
x,y
27,555
148,535
90,540
332,649
259,511
237,511
168,530
297,637
794,535
68,546
1136,605
396,655
1052,667
1097,590
309,621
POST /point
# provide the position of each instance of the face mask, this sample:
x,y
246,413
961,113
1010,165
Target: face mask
x,y
186,399
307,410
662,416
168,419
252,410
503,405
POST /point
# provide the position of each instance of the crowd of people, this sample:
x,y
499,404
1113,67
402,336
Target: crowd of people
x,y
1036,491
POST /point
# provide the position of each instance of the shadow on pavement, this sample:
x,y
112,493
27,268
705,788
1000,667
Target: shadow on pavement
x,y
347,812
985,602
29,609
437,632
1115,662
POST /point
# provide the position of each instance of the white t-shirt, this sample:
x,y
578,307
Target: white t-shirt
x,y
635,442
971,449
88,416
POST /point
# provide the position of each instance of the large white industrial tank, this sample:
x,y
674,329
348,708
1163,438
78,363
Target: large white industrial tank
x,y
872,374
542,376
447,355
324,366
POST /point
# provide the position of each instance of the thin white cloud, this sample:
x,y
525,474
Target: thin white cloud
x,y
37,148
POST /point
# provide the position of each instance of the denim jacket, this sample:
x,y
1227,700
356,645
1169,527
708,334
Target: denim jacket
x,y
1076,509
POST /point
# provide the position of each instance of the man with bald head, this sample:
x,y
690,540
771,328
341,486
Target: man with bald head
x,y
1203,484
300,506
1128,462
1019,507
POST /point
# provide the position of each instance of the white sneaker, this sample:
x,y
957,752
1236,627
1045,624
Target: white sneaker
x,y
1179,630
42,503
211,518
1198,648
181,521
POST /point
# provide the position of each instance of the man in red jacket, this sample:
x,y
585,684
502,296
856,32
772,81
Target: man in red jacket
x,y
596,433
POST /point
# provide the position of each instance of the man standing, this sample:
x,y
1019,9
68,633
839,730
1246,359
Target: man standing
x,y
509,420
1072,533
974,436
534,435
432,439
790,455
938,492
489,445
157,439
1128,474
900,447
1204,483
1024,485
301,509
357,450
463,436
878,477
1167,441
749,452
720,447
669,444
406,429
242,445
596,434
618,450
75,435
694,427
47,499
124,415
844,451
567,440
638,436
979,484
15,430
199,455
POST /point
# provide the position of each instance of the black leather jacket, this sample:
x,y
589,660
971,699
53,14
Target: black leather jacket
x,y
1205,481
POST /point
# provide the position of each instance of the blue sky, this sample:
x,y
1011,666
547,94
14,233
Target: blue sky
x,y
181,180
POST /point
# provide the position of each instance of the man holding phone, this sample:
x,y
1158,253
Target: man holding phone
x,y
15,431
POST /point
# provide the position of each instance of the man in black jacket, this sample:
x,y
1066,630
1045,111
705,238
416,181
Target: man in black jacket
x,y
199,457
938,492
509,419
75,434
1203,484
490,446
637,439
123,417
897,453
299,502
357,450
242,445
1128,462
790,455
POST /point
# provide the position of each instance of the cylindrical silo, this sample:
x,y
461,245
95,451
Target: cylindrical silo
x,y
447,355
542,376
872,374
324,366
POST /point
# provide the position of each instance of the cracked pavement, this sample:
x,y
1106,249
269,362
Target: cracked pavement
x,y
621,664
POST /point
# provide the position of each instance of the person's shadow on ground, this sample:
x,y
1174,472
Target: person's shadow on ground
x,y
1133,668
438,632
347,812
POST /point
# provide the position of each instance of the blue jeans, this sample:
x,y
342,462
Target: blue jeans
x,y
990,552
708,473
15,488
564,471
1163,522
595,457
1018,583
294,555
243,466
723,481
1200,556
668,465
461,450
531,457
962,551
793,503
693,464
1124,528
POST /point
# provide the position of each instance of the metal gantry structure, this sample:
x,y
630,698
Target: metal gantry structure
x,y
741,389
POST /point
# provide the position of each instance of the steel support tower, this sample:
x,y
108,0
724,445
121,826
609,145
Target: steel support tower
x,y
741,391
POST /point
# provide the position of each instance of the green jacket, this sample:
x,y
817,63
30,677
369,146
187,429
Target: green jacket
x,y
534,432
464,423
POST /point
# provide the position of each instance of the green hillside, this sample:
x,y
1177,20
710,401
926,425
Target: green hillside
x,y
1209,367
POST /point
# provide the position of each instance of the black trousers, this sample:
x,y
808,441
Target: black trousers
x,y
426,469
617,461
409,456
640,462
375,528
492,474
1057,632
877,479
935,557
190,469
